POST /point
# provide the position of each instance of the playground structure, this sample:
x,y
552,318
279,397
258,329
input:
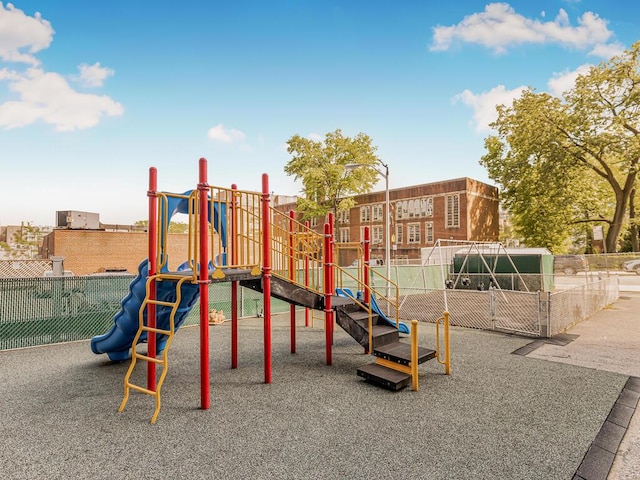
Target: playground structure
x,y
243,240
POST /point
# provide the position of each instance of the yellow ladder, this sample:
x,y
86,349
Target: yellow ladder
x,y
135,356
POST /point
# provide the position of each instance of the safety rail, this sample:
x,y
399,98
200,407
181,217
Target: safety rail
x,y
340,275
296,251
163,220
392,302
446,358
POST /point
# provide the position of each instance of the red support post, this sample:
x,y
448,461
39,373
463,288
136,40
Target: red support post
x,y
331,250
203,280
326,280
292,277
152,264
266,276
233,210
367,257
306,275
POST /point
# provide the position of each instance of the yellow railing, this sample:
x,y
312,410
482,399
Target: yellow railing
x,y
445,358
296,252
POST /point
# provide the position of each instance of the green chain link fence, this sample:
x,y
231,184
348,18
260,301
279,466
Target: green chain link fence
x,y
42,311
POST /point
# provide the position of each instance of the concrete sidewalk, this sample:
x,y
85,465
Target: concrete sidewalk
x,y
608,341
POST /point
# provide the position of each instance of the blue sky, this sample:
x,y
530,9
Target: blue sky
x,y
94,93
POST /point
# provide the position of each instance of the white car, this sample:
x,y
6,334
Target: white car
x,y
632,266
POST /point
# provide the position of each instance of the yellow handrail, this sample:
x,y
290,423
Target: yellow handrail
x,y
446,361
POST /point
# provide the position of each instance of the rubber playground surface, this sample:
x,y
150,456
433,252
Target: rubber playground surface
x,y
498,416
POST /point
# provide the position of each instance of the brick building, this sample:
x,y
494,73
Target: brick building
x,y
92,251
458,209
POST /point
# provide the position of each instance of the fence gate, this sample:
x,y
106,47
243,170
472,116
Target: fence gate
x,y
517,312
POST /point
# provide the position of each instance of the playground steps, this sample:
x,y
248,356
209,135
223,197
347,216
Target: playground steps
x,y
356,323
285,290
392,368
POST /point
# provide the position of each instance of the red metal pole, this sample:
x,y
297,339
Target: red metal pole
x,y
367,256
234,285
333,238
266,276
152,264
292,275
326,277
306,275
203,280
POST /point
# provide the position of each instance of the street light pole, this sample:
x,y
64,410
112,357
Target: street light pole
x,y
387,227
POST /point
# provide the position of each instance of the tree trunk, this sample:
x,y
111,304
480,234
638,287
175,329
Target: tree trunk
x,y
633,228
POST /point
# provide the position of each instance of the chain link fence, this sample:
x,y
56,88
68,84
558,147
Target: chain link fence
x,y
41,311
536,314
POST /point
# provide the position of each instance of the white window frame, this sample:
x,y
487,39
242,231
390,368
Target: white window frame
x,y
413,234
428,232
344,216
452,211
399,232
426,207
376,235
365,214
377,214
344,235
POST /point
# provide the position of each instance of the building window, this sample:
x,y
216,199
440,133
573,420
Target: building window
x,y
344,235
453,211
399,234
313,222
377,213
413,233
428,232
398,210
344,216
376,235
426,207
365,214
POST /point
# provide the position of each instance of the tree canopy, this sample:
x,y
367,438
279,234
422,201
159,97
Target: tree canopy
x,y
174,227
567,163
331,171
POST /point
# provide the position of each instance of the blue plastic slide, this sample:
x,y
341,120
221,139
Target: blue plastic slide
x,y
117,342
345,292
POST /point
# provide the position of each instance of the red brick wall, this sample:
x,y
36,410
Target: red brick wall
x,y
91,251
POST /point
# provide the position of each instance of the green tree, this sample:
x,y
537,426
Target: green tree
x,y
25,242
564,163
331,171
174,227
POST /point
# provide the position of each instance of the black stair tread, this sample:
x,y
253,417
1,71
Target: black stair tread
x,y
400,352
338,301
385,377
362,315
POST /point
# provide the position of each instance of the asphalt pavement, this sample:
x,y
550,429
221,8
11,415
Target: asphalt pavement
x,y
497,416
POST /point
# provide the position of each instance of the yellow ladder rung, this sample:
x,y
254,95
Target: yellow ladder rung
x,y
156,330
150,359
162,303
142,389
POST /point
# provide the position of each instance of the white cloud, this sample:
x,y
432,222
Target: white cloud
x,y
47,97
40,96
484,104
316,137
561,82
21,36
221,134
499,27
94,75
607,50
